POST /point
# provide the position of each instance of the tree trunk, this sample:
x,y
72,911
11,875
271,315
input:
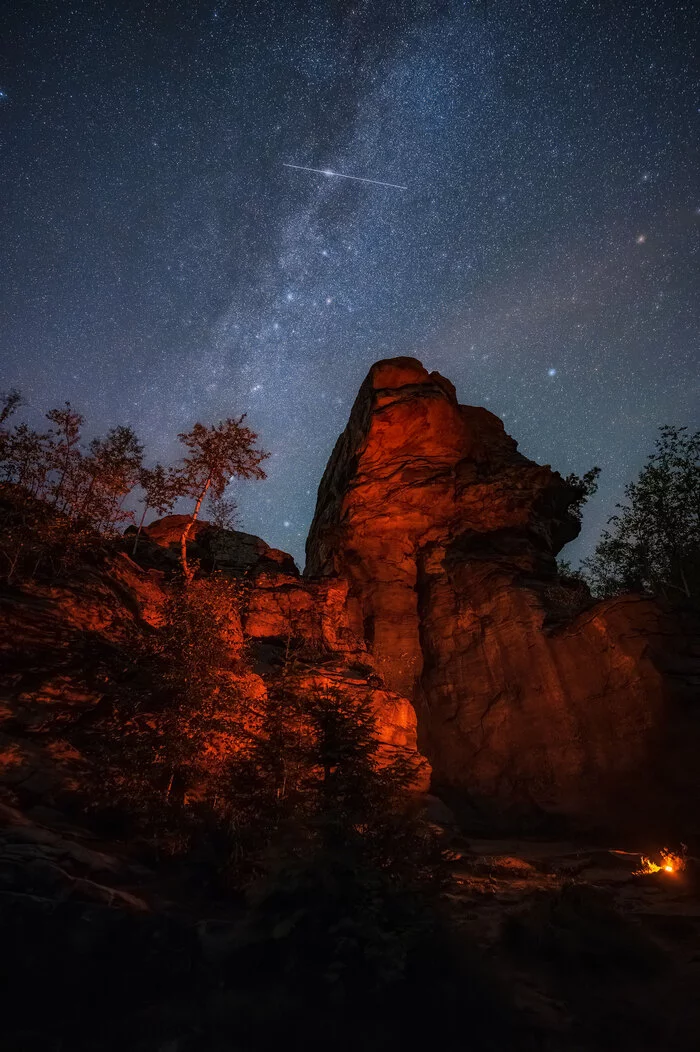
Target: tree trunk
x,y
188,574
138,532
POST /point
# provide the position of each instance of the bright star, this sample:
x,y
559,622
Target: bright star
x,y
551,372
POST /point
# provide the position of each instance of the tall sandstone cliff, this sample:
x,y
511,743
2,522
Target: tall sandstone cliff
x,y
526,700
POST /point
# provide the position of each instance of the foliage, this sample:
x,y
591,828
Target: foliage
x,y
216,454
59,497
163,745
653,543
223,515
10,401
338,866
585,486
62,497
565,569
160,487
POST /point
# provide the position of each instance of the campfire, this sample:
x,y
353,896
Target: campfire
x,y
669,862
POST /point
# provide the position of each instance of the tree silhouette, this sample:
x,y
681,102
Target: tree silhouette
x,y
160,487
110,472
653,544
216,454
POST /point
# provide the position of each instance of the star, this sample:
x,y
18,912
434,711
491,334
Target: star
x,y
181,277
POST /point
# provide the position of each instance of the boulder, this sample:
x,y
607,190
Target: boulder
x,y
230,551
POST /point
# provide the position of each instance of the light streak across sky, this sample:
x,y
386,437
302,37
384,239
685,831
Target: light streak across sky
x,y
340,175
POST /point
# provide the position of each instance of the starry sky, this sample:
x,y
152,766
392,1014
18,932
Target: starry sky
x,y
160,264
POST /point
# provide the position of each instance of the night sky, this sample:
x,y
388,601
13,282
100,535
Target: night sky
x,y
161,265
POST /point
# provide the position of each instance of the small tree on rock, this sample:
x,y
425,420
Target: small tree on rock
x,y
161,487
216,454
343,866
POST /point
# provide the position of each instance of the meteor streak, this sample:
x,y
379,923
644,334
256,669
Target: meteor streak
x,y
339,175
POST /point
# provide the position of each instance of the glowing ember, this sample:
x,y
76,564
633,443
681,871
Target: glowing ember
x,y
669,862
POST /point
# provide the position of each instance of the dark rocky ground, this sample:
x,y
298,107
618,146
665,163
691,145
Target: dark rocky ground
x,y
564,947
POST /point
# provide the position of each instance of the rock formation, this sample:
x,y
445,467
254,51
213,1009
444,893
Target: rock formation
x,y
447,537
431,585
64,645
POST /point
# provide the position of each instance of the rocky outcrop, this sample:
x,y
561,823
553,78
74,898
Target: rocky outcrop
x,y
228,550
66,644
431,587
530,697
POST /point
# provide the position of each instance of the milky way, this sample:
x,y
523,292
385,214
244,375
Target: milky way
x,y
161,265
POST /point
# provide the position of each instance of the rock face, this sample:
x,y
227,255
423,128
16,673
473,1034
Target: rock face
x,y
65,643
528,695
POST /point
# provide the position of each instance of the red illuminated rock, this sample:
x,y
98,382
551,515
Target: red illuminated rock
x,y
62,643
228,550
447,537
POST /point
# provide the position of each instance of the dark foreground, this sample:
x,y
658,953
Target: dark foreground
x,y
539,945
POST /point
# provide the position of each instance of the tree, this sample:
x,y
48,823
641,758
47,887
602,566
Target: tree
x,y
162,745
223,513
216,454
26,458
110,472
10,401
161,487
337,864
65,459
585,485
653,543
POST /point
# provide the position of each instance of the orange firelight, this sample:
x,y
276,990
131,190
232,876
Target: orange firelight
x,y
669,862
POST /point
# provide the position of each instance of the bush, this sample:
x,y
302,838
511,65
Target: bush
x,y
162,750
